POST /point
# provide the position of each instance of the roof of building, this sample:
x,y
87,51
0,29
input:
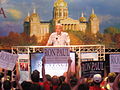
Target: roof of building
x,y
60,3
82,18
93,15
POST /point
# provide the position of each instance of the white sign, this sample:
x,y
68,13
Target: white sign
x,y
24,67
89,56
8,60
56,55
115,63
51,68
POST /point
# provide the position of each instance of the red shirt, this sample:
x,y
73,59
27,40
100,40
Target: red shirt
x,y
39,83
46,85
55,87
96,88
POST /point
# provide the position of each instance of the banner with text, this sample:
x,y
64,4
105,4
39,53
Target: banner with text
x,y
90,68
115,63
57,55
8,60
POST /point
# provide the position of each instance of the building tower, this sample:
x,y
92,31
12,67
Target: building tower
x,y
83,23
33,26
34,23
82,18
27,24
60,10
93,23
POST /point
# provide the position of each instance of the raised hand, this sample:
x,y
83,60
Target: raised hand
x,y
69,61
43,60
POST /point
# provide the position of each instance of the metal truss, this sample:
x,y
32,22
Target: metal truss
x,y
112,51
99,49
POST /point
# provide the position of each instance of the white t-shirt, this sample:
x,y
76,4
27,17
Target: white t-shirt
x,y
58,40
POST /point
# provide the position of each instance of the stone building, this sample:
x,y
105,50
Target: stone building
x,y
34,26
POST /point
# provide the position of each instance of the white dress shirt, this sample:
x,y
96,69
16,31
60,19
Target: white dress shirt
x,y
58,40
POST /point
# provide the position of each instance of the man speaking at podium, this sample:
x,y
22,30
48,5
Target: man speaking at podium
x,y
58,38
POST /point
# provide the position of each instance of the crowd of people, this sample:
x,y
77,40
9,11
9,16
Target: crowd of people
x,y
69,81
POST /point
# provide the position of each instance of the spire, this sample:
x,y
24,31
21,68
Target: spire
x,y
93,11
82,18
82,14
34,10
93,15
27,18
28,14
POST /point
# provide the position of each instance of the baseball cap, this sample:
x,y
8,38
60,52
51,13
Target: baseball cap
x,y
97,78
112,74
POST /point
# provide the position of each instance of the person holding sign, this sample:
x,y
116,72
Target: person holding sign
x,y
58,37
53,83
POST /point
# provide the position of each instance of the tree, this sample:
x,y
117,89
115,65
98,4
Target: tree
x,y
33,40
44,40
111,30
24,39
75,37
89,38
16,39
99,38
117,40
74,40
12,39
107,40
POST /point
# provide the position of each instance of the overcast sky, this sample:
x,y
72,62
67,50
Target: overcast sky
x,y
108,12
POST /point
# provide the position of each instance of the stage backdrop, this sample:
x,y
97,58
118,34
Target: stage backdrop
x,y
98,26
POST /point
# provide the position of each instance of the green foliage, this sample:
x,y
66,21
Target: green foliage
x,y
78,34
117,40
87,38
74,39
108,38
110,35
15,39
99,38
111,30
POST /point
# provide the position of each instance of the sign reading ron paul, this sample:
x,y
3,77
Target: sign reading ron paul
x,y
115,63
56,55
90,68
